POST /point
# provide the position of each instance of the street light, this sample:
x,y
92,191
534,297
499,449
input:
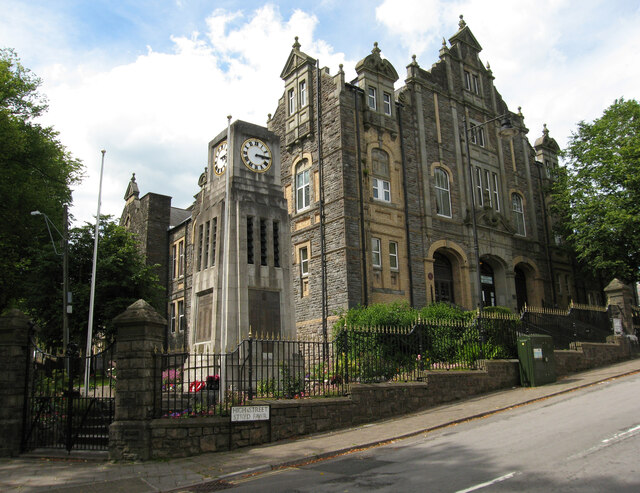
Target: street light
x,y
66,294
506,130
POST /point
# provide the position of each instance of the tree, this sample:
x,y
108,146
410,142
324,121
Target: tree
x,y
36,173
597,195
122,277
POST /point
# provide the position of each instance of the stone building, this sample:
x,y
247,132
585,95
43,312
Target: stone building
x,y
382,201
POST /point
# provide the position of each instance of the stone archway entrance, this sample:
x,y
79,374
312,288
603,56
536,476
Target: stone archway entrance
x,y
488,281
443,278
521,288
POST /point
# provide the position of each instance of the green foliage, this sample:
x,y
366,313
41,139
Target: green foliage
x,y
36,173
122,277
398,314
598,194
444,311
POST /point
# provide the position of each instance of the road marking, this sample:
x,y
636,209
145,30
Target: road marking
x,y
630,431
634,430
488,483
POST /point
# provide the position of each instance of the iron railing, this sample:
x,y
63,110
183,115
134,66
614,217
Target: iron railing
x,y
578,323
209,384
60,412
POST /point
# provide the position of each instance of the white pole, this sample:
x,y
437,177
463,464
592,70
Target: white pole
x,y
89,350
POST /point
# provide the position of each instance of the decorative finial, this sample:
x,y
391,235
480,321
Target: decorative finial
x,y
462,23
545,130
268,117
376,50
413,57
133,175
296,45
519,110
413,63
488,65
341,67
444,43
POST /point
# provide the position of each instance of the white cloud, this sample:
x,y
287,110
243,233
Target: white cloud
x,y
154,116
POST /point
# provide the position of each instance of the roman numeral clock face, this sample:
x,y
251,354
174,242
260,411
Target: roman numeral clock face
x,y
256,155
220,158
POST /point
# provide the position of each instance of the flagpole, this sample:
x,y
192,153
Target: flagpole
x,y
89,349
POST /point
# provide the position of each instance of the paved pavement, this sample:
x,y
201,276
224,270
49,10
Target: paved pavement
x,y
211,472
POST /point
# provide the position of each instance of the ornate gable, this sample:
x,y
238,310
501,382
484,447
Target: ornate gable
x,y
375,64
296,60
132,189
465,36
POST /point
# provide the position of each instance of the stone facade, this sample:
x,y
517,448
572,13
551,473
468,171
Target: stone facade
x,y
383,184
395,197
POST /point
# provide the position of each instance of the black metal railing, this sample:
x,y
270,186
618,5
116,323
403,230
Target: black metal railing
x,y
197,384
579,323
63,411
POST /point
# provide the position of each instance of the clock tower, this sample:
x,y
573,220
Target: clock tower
x,y
241,277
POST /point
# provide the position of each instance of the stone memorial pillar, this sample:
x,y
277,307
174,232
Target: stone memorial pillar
x,y
140,336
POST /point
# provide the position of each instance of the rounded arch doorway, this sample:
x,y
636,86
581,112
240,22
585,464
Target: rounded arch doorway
x,y
521,287
488,281
443,278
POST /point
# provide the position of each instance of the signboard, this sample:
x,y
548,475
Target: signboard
x,y
249,413
537,353
617,326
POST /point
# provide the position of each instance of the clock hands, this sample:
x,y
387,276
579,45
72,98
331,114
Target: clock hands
x,y
263,156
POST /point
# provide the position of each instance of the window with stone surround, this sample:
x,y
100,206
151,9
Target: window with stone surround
x,y
393,255
302,91
496,192
372,98
303,254
471,82
381,175
479,195
386,103
443,192
303,187
477,135
518,214
376,258
291,96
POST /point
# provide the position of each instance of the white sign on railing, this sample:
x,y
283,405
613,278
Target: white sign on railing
x,y
249,413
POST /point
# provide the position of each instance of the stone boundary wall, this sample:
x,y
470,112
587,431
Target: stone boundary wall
x,y
587,355
296,417
367,403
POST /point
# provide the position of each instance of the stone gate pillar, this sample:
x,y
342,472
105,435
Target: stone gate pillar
x,y
620,301
14,348
140,335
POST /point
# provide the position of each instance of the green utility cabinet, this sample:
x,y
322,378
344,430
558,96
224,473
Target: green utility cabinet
x,y
537,362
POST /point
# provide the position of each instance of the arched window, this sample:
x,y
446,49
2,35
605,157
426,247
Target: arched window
x,y
303,188
518,214
443,194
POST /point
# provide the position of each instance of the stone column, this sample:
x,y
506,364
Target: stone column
x,y
620,301
140,335
14,347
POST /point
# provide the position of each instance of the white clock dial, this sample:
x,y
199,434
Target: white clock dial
x,y
256,155
220,158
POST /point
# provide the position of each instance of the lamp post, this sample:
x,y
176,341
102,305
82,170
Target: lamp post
x,y
66,294
506,130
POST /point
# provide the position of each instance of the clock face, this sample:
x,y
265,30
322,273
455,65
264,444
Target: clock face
x,y
220,158
256,155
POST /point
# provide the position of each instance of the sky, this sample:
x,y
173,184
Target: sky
x,y
151,82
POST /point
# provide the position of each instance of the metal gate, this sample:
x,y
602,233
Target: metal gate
x,y
62,411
